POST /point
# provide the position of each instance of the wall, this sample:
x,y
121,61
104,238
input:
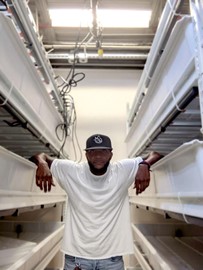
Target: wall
x,y
101,104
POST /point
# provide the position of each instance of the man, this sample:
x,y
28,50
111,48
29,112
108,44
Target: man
x,y
97,226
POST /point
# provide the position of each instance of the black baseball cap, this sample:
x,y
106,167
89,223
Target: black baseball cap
x,y
98,141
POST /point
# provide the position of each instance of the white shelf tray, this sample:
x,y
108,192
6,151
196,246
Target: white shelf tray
x,y
181,172
41,239
17,184
16,172
11,250
173,78
168,247
21,84
176,182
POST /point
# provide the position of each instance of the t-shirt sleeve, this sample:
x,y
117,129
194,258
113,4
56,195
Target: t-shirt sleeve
x,y
60,169
129,169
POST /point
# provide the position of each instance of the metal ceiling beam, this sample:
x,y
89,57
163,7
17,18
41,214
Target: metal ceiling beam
x,y
112,45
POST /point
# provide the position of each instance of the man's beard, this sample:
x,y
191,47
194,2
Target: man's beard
x,y
98,171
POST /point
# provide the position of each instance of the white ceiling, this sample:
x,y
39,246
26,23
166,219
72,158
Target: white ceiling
x,y
123,48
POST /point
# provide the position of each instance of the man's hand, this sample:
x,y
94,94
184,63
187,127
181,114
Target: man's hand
x,y
142,179
44,178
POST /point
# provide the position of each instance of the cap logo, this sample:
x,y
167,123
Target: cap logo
x,y
98,139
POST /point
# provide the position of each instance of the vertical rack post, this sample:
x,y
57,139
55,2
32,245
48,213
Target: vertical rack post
x,y
196,7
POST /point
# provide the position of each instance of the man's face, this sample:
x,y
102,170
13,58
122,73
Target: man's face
x,y
98,160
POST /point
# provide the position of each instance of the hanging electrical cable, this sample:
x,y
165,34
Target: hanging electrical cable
x,y
69,113
72,79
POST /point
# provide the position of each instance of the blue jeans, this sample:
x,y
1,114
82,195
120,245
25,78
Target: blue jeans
x,y
113,263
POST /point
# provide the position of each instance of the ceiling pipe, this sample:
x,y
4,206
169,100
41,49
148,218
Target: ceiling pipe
x,y
128,46
129,56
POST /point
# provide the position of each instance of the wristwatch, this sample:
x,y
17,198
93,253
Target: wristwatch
x,y
144,162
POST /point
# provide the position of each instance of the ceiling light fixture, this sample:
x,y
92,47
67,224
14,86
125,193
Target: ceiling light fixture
x,y
106,18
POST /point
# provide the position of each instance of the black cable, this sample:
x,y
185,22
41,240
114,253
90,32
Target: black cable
x,y
69,116
75,136
69,113
72,83
68,102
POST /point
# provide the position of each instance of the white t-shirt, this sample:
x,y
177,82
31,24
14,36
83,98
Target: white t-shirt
x,y
97,224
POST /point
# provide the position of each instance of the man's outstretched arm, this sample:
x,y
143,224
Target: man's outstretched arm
x,y
142,178
44,178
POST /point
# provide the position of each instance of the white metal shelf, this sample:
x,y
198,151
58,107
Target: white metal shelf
x,y
168,247
20,137
33,248
22,88
166,23
176,183
17,184
39,241
11,200
172,81
179,127
26,23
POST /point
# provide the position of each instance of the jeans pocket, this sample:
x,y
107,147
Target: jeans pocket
x,y
69,258
116,258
